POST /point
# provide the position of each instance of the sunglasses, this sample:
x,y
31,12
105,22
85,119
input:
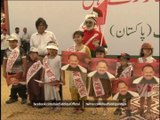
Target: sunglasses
x,y
89,22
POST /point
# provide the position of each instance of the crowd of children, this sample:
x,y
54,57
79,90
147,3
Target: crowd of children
x,y
42,78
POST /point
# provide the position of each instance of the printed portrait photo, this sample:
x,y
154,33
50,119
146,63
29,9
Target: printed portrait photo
x,y
74,61
122,86
146,73
102,65
123,89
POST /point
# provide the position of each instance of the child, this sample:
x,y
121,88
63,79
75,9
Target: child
x,y
52,66
14,70
103,78
34,72
76,73
100,52
78,47
145,86
146,53
145,57
123,70
125,94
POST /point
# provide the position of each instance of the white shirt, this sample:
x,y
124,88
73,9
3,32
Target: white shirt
x,y
4,42
50,92
25,37
19,38
149,59
40,41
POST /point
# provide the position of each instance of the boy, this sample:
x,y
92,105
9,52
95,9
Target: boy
x,y
100,52
145,87
77,81
124,94
52,66
123,70
100,79
34,72
14,70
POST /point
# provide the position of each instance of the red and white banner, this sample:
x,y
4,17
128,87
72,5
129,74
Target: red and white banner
x,y
48,71
98,88
12,58
33,70
79,84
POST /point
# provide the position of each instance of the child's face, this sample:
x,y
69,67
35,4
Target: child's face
x,y
122,88
33,55
52,52
148,73
101,68
100,55
73,61
78,39
89,24
123,62
13,44
147,51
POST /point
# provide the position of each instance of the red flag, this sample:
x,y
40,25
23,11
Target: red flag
x,y
101,9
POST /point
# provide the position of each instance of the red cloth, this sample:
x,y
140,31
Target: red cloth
x,y
89,34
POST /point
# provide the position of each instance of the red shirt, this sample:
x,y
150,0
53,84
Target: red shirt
x,y
96,39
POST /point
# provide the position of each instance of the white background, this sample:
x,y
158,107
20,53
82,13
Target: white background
x,y
64,17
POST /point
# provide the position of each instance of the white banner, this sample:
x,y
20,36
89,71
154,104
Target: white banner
x,y
129,23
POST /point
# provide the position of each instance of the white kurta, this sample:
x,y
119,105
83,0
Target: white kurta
x,y
50,92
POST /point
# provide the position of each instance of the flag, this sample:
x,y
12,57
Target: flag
x,y
101,9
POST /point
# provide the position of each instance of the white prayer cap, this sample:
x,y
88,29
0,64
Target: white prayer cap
x,y
52,46
33,49
13,37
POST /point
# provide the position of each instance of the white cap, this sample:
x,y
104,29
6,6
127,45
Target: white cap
x,y
33,49
90,15
12,37
52,46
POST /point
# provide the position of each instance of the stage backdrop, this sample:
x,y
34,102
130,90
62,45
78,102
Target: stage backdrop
x,y
129,23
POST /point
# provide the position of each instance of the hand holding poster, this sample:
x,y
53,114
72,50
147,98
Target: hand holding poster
x,y
75,62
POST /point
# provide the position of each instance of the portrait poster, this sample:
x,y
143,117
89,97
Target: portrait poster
x,y
111,63
127,81
144,73
74,61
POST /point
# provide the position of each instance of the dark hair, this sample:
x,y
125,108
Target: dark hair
x,y
78,33
124,56
100,49
147,65
39,21
72,54
142,54
16,28
121,81
103,62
